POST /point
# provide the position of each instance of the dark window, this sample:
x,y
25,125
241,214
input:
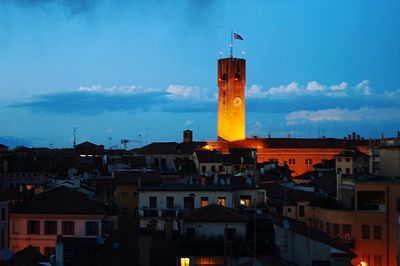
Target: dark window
x,y
301,211
347,231
33,227
339,170
3,214
371,200
3,240
335,230
377,232
203,168
212,168
365,231
50,227
49,251
289,210
124,213
191,232
153,202
68,227
220,168
170,202
108,227
292,161
92,228
124,194
348,171
347,159
188,203
230,233
377,260
328,228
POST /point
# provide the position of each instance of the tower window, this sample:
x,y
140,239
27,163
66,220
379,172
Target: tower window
x,y
224,77
237,76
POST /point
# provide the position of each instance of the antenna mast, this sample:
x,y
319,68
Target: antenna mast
x,y
74,129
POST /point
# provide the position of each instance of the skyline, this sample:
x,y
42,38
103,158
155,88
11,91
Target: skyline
x,y
123,70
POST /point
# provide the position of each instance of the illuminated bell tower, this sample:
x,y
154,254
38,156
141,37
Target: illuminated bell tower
x,y
231,102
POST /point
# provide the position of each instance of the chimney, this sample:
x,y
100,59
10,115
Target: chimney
x,y
354,135
187,135
349,137
59,251
398,134
358,137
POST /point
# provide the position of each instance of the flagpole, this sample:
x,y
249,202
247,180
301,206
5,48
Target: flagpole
x,y
231,45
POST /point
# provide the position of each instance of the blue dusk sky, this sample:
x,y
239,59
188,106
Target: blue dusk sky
x,y
146,70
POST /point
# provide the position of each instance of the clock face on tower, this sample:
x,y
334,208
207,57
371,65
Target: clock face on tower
x,y
237,101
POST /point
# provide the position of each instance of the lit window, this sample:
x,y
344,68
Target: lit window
x,y
185,261
222,201
204,201
245,200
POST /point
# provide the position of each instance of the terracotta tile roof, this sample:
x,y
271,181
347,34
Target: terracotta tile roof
x,y
170,148
235,156
352,154
214,213
276,194
28,256
132,177
299,143
309,232
160,148
2,146
61,200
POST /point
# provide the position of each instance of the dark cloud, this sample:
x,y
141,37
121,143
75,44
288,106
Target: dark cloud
x,y
12,142
91,103
312,103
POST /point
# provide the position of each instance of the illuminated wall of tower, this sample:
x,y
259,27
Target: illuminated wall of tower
x,y
231,101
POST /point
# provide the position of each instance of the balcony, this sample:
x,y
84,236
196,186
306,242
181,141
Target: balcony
x,y
154,212
348,243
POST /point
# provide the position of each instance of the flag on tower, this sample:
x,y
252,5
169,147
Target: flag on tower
x,y
237,36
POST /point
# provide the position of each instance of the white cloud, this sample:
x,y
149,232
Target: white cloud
x,y
315,86
254,128
340,87
337,114
255,91
181,92
128,89
392,94
364,87
189,122
292,87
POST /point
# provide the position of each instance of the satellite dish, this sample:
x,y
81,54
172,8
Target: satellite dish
x,y
286,224
6,254
101,240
